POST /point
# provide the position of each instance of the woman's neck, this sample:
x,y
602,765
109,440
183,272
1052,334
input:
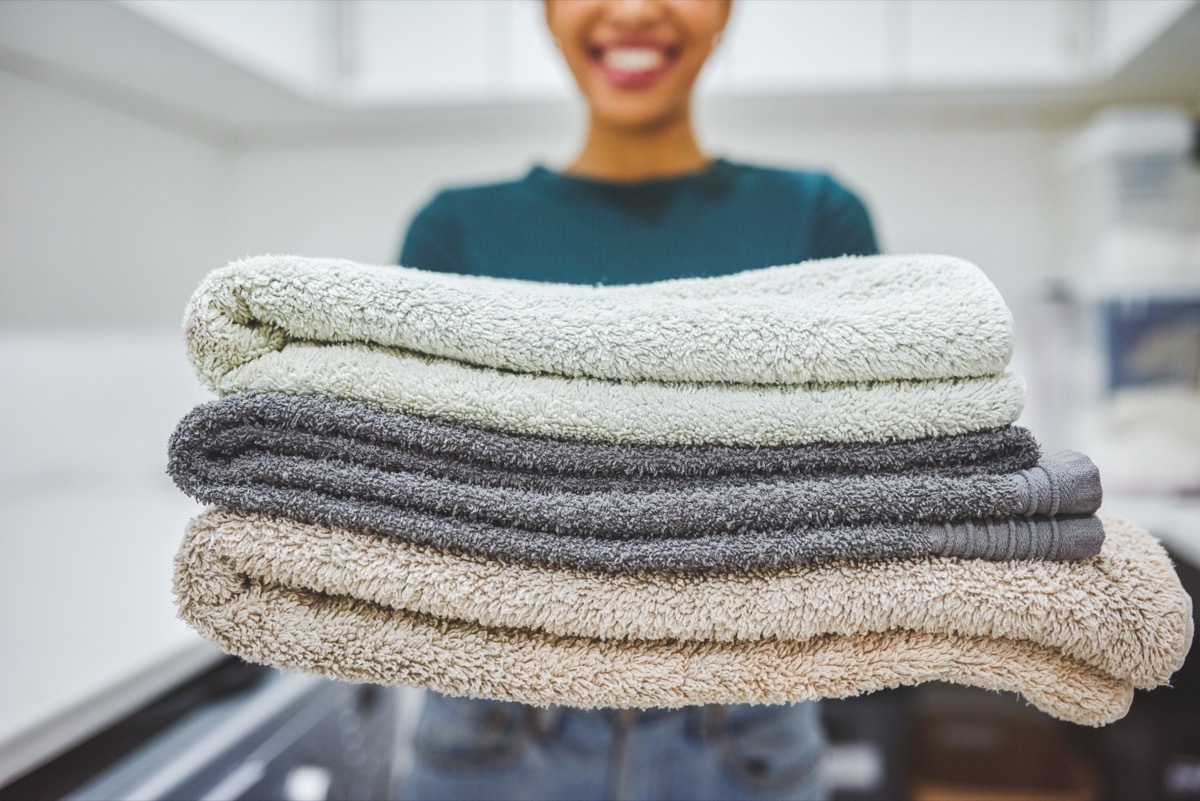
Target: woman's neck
x,y
616,153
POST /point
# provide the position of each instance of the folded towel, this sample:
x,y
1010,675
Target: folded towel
x,y
329,469
1056,538
632,412
319,427
1074,638
846,320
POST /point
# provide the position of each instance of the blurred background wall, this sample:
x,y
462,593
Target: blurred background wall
x,y
110,219
146,141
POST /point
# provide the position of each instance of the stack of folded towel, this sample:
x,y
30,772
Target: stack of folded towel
x,y
779,485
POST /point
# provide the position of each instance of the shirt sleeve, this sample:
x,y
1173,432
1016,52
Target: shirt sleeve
x,y
843,226
434,239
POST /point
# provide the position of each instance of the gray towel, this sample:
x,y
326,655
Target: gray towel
x,y
1051,539
1061,538
332,469
681,512
315,426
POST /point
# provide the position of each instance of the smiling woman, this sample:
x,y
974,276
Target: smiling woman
x,y
636,63
641,202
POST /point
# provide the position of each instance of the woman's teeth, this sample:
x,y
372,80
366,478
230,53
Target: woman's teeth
x,y
633,59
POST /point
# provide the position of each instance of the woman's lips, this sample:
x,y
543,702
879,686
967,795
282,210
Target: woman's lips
x,y
633,65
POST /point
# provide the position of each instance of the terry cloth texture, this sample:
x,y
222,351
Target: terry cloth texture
x,y
843,350
331,472
632,412
1057,538
320,427
1073,638
845,320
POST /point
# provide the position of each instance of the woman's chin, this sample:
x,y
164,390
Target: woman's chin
x,y
634,117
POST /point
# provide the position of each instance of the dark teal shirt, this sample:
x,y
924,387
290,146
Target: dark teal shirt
x,y
548,226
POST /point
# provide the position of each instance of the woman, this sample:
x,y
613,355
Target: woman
x,y
641,202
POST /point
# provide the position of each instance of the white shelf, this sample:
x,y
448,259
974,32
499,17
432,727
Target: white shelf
x,y
1101,291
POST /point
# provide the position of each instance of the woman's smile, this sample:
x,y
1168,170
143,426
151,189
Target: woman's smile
x,y
633,64
635,61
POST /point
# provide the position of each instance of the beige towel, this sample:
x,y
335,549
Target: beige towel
x,y
1073,638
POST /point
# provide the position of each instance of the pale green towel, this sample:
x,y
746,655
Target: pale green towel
x,y
846,320
846,350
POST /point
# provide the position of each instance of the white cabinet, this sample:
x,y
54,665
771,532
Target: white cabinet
x,y
228,59
535,68
822,45
284,40
981,43
424,52
446,51
1130,25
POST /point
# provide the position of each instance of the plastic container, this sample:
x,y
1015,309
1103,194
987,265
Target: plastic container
x,y
1132,199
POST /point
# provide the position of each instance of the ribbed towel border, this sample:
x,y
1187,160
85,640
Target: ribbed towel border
x,y
312,470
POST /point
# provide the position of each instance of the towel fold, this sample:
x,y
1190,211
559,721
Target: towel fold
x,y
632,412
1056,539
1074,638
843,350
846,320
319,427
318,477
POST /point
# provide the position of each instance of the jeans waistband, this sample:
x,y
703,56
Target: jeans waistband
x,y
703,721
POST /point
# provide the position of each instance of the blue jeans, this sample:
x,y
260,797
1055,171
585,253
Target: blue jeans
x,y
471,750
